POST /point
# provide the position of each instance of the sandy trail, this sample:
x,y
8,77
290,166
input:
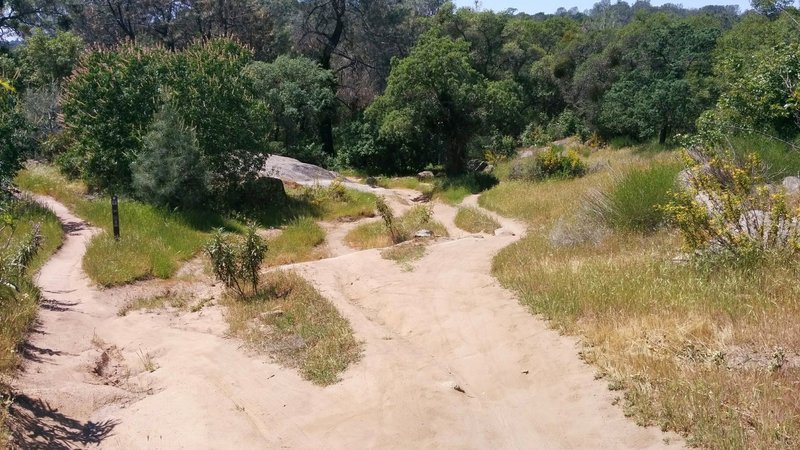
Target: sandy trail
x,y
447,323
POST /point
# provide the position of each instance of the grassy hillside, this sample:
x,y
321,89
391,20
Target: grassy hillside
x,y
707,353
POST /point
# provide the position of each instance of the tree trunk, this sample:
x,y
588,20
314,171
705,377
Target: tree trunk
x,y
662,135
454,158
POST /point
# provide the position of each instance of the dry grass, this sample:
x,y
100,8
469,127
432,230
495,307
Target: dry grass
x,y
701,353
404,254
474,220
179,301
376,235
289,319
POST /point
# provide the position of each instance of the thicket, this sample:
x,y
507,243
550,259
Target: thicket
x,y
111,101
464,83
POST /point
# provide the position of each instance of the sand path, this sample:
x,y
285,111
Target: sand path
x,y
445,325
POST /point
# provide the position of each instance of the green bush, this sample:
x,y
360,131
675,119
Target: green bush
x,y
237,265
635,201
535,136
551,163
169,171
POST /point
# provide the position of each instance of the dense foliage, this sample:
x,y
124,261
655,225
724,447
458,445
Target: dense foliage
x,y
390,87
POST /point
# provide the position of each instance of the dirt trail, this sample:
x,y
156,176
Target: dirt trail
x,y
445,325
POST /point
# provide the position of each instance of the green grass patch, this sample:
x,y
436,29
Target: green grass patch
x,y
154,241
298,242
474,220
376,235
780,160
453,190
403,183
291,320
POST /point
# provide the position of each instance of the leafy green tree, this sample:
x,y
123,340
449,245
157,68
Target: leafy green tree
x,y
666,86
434,98
215,97
112,98
46,59
757,73
15,138
170,170
297,94
771,8
107,106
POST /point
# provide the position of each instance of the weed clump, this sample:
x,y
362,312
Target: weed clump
x,y
236,265
551,163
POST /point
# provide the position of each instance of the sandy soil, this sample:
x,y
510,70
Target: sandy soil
x,y
450,360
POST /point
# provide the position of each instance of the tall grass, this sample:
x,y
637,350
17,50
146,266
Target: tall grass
x,y
634,202
698,352
294,322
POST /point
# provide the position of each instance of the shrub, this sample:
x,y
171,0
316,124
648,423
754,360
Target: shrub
x,y
551,163
169,171
635,202
236,265
730,211
535,136
397,234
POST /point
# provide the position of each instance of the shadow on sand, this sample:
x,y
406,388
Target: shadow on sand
x,y
34,424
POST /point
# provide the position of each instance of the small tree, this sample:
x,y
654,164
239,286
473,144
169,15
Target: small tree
x,y
170,169
237,265
433,99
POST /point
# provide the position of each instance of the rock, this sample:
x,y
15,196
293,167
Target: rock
x,y
503,232
290,169
685,176
371,181
424,175
423,234
488,169
791,184
476,165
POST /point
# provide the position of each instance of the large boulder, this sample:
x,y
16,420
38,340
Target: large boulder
x,y
290,169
